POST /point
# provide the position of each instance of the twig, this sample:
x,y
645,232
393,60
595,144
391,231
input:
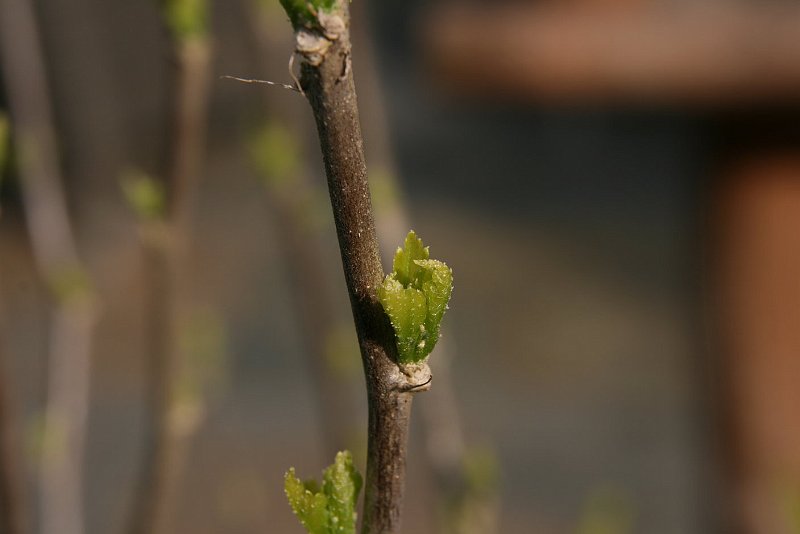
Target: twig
x,y
290,87
61,475
328,83
165,244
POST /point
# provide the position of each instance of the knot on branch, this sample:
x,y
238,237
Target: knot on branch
x,y
313,43
412,377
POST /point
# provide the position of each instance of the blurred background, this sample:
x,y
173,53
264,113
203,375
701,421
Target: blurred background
x,y
615,183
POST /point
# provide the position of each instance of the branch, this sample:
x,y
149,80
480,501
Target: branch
x,y
327,80
54,248
165,240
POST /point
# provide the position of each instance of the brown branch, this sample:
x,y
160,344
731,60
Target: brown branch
x,y
67,404
327,80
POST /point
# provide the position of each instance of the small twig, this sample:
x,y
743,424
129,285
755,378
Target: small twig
x,y
330,90
164,246
290,87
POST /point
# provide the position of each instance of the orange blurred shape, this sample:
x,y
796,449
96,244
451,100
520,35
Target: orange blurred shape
x,y
759,307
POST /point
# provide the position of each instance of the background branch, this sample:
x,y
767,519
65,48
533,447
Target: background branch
x,y
73,317
165,243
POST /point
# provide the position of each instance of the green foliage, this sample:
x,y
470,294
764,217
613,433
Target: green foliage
x,y
301,12
187,19
276,154
481,471
69,283
608,510
144,194
415,296
331,510
202,343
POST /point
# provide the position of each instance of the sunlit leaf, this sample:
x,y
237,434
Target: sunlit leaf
x,y
415,296
331,510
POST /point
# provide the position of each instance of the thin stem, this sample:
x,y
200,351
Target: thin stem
x,y
67,403
327,80
165,244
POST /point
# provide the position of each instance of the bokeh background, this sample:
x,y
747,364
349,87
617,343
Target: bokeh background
x,y
615,183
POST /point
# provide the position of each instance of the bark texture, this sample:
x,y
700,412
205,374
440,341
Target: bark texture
x,y
327,81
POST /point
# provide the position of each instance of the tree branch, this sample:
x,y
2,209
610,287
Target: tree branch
x,y
56,257
165,242
327,81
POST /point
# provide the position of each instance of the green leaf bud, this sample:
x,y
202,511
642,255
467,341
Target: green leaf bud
x,y
415,296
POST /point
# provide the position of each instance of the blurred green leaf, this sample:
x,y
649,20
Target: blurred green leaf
x,y
276,154
332,510
415,296
481,470
187,19
608,510
69,282
144,194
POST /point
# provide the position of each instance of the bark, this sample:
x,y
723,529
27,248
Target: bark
x,y
327,81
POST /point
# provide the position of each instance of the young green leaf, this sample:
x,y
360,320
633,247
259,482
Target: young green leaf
x,y
341,484
302,12
332,510
415,296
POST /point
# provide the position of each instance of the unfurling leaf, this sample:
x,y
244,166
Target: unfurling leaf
x,y
302,12
415,296
332,510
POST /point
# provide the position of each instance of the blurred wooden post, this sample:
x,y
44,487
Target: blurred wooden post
x,y
758,277
714,58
